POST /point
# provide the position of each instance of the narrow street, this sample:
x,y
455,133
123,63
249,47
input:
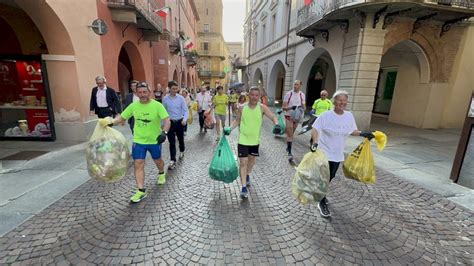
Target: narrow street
x,y
193,219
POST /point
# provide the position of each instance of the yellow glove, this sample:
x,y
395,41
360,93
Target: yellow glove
x,y
106,121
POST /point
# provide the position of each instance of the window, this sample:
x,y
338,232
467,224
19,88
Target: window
x,y
206,27
205,46
273,32
255,41
207,11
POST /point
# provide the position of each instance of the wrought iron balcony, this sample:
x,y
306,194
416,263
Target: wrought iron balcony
x,y
214,74
211,54
139,12
320,16
191,58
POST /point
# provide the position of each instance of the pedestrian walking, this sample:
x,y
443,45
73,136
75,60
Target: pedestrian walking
x,y
203,100
249,120
219,103
329,133
131,98
294,105
176,107
188,100
104,100
322,104
150,129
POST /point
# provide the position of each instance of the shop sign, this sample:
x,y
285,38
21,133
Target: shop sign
x,y
99,27
269,49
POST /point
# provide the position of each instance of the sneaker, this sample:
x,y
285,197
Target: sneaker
x,y
161,179
138,196
248,181
323,209
245,193
181,155
172,165
290,157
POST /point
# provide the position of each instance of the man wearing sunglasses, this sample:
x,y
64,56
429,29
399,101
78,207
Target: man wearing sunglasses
x,y
148,134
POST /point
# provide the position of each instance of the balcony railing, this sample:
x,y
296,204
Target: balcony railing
x,y
211,53
139,12
191,58
317,10
214,74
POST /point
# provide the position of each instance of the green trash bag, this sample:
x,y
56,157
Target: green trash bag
x,y
223,166
281,123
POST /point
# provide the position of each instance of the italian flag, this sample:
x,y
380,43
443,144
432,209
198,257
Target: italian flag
x,y
187,43
162,12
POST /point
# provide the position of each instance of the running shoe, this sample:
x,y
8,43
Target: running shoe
x,y
161,179
172,165
245,193
323,209
138,196
181,155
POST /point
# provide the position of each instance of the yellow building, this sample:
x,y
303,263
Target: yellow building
x,y
211,47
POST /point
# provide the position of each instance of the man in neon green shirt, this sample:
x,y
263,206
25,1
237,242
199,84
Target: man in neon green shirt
x,y
249,120
148,134
322,104
219,103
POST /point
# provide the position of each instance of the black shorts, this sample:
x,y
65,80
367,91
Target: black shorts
x,y
245,151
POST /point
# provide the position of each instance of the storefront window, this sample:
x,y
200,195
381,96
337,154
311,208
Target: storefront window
x,y
24,102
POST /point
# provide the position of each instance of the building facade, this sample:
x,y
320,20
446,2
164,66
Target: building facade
x,y
212,50
51,51
174,56
408,61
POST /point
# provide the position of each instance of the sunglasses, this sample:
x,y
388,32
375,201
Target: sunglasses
x,y
142,85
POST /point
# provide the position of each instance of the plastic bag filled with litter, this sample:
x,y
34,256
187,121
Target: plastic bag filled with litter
x,y
311,180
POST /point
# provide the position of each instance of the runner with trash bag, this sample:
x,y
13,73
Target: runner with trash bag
x,y
149,132
249,120
223,166
359,165
329,134
107,154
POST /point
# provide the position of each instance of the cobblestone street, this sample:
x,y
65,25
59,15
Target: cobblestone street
x,y
193,219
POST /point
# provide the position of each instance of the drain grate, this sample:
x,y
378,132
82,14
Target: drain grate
x,y
24,155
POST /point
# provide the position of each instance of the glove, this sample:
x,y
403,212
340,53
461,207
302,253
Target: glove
x,y
367,134
106,121
313,147
227,131
279,111
293,108
161,138
276,129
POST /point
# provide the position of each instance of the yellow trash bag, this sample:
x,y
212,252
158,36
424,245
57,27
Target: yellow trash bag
x,y
359,165
190,116
311,180
380,140
194,106
107,154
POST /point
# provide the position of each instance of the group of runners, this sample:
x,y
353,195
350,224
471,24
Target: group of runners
x,y
154,122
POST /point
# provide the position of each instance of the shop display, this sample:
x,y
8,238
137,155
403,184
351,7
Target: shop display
x,y
23,100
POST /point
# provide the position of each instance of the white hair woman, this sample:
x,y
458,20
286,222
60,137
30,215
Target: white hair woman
x,y
329,133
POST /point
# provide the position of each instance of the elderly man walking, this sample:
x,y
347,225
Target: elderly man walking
x,y
104,101
175,105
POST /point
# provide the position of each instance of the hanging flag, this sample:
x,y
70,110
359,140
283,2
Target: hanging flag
x,y
307,2
162,12
188,43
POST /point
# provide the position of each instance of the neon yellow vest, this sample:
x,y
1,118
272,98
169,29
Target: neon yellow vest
x,y
250,125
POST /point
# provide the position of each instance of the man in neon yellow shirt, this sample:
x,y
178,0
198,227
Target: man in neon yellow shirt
x,y
249,120
219,103
322,104
148,134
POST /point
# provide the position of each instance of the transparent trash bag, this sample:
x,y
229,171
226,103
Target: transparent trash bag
x,y
107,154
359,165
209,121
223,166
311,180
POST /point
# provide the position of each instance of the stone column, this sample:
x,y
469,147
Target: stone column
x,y
362,53
290,70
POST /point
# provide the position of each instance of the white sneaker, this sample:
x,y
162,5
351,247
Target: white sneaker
x,y
181,155
172,165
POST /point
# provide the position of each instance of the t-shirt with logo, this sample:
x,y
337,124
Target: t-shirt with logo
x,y
220,103
148,118
320,106
333,130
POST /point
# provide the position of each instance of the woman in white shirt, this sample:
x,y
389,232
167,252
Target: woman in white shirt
x,y
329,134
187,99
